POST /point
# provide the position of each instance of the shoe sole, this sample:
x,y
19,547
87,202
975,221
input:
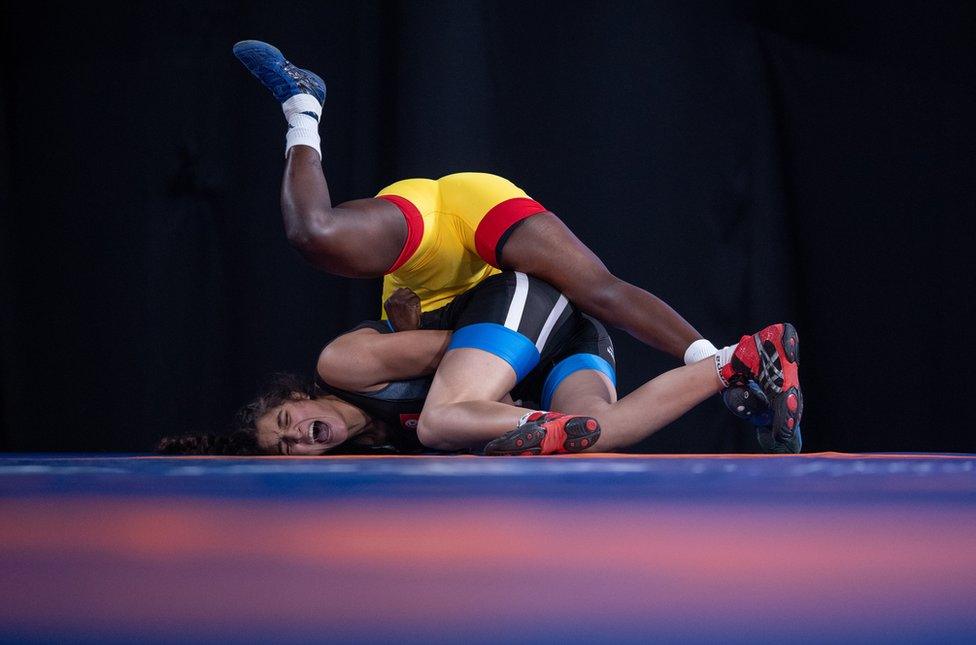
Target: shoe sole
x,y
787,397
243,49
578,434
769,443
245,46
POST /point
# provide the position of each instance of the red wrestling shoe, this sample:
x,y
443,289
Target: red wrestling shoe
x,y
771,358
547,433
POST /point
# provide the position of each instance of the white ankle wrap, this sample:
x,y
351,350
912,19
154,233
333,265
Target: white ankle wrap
x,y
301,103
303,128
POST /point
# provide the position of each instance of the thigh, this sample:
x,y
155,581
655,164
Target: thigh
x,y
545,247
586,392
583,382
467,374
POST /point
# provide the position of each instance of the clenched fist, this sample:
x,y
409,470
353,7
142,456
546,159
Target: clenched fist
x,y
403,309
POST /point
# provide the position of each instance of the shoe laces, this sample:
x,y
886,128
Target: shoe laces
x,y
297,75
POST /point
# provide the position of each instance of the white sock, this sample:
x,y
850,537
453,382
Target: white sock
x,y
722,358
302,112
724,355
699,351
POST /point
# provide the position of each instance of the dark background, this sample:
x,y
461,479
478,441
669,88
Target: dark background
x,y
748,162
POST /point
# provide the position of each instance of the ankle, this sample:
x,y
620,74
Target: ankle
x,y
303,136
303,113
722,358
699,351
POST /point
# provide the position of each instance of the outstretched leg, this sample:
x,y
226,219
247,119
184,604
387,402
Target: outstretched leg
x,y
589,394
576,271
769,357
644,411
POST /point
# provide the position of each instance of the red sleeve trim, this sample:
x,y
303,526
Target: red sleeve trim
x,y
415,229
498,220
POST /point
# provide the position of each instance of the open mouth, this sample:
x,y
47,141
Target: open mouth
x,y
320,432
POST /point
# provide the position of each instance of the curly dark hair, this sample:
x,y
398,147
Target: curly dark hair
x,y
242,439
237,442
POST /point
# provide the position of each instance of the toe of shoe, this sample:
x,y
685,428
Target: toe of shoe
x,y
502,445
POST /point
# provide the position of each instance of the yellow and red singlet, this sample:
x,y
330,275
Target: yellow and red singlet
x,y
454,225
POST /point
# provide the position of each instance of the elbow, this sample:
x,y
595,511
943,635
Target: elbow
x,y
334,368
347,362
329,366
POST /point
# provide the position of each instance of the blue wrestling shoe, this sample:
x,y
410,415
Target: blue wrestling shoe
x,y
277,74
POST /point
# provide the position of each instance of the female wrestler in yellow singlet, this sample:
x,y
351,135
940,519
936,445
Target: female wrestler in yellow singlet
x,y
454,226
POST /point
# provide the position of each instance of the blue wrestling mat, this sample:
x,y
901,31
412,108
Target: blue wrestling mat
x,y
811,548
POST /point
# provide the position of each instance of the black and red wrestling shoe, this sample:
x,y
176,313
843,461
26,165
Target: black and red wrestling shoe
x,y
547,433
772,359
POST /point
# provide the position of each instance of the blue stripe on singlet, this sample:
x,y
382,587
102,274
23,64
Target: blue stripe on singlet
x,y
567,366
511,346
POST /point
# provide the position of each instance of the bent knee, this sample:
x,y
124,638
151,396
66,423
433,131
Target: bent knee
x,y
431,429
312,232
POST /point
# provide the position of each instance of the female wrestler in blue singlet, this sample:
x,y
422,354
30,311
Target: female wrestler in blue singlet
x,y
371,385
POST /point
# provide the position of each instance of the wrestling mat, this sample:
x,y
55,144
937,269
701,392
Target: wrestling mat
x,y
608,548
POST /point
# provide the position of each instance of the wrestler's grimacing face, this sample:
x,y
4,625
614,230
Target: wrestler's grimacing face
x,y
301,426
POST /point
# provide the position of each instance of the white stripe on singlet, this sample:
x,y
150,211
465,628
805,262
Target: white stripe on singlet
x,y
515,309
557,311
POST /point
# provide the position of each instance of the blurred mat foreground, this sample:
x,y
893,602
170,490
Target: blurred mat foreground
x,y
816,548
